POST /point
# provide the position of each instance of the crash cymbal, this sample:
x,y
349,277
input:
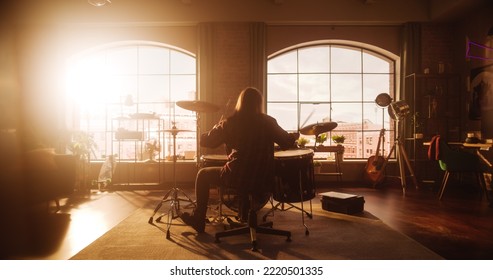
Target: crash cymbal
x,y
318,128
198,106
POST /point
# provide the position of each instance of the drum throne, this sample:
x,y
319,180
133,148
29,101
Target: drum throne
x,y
247,201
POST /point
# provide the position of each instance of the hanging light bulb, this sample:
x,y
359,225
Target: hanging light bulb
x,y
98,3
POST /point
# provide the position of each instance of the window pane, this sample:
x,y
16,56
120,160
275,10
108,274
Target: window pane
x,y
121,87
311,113
346,87
345,60
314,87
374,84
374,115
153,60
284,63
182,63
123,61
286,115
373,63
153,88
350,113
283,87
182,87
314,60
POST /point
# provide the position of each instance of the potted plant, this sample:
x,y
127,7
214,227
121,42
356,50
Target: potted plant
x,y
82,145
152,148
321,138
302,142
338,139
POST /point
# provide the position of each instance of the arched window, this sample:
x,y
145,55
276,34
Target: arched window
x,y
132,87
333,82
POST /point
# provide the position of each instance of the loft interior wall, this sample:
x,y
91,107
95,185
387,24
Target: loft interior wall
x,y
284,36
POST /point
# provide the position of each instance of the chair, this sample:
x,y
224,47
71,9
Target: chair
x,y
246,204
456,161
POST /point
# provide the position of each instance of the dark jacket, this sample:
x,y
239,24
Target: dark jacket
x,y
249,141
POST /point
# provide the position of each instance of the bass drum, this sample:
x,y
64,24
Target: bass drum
x,y
295,179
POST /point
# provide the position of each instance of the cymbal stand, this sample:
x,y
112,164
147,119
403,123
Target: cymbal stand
x,y
173,195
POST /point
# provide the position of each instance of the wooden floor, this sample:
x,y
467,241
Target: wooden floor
x,y
458,227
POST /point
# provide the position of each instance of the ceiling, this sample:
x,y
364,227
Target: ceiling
x,y
270,11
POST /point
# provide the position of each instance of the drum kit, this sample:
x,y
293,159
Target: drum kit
x,y
294,170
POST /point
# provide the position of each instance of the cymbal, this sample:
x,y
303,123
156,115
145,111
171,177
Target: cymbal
x,y
318,128
198,106
175,131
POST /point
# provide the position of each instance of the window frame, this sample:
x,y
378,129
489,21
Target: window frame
x,y
365,130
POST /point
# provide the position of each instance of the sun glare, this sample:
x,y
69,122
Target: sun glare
x,y
89,83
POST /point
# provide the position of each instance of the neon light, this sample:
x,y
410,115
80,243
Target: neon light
x,y
481,47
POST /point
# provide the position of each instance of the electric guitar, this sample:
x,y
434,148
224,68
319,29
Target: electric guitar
x,y
375,166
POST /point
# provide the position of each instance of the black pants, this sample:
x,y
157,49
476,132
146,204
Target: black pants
x,y
207,177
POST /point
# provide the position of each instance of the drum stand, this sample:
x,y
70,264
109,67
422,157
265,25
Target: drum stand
x,y
280,206
173,195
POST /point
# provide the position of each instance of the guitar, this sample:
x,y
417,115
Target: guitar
x,y
375,166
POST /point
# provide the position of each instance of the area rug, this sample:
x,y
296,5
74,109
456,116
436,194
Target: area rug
x,y
331,236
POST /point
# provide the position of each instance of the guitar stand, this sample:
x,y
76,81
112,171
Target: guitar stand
x,y
173,195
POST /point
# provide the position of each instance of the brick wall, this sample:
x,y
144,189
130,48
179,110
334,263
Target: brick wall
x,y
437,46
231,63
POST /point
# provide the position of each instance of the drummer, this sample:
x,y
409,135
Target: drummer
x,y
249,136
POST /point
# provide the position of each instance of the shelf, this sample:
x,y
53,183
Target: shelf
x,y
435,109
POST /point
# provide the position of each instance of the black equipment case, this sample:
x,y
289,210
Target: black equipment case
x,y
342,202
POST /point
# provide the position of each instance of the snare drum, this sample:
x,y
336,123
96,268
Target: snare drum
x,y
213,160
294,176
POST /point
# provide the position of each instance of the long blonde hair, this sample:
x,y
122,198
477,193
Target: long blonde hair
x,y
249,101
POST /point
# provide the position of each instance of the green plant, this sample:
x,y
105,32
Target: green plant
x,y
82,144
321,138
317,163
338,139
153,147
302,142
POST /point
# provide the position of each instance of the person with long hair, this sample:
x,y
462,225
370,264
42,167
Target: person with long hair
x,y
249,136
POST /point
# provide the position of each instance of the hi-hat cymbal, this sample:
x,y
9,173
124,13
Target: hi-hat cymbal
x,y
175,131
318,128
198,106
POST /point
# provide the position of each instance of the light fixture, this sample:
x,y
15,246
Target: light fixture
x,y
397,110
98,3
383,100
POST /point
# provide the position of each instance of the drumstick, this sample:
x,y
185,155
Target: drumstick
x,y
227,107
306,120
